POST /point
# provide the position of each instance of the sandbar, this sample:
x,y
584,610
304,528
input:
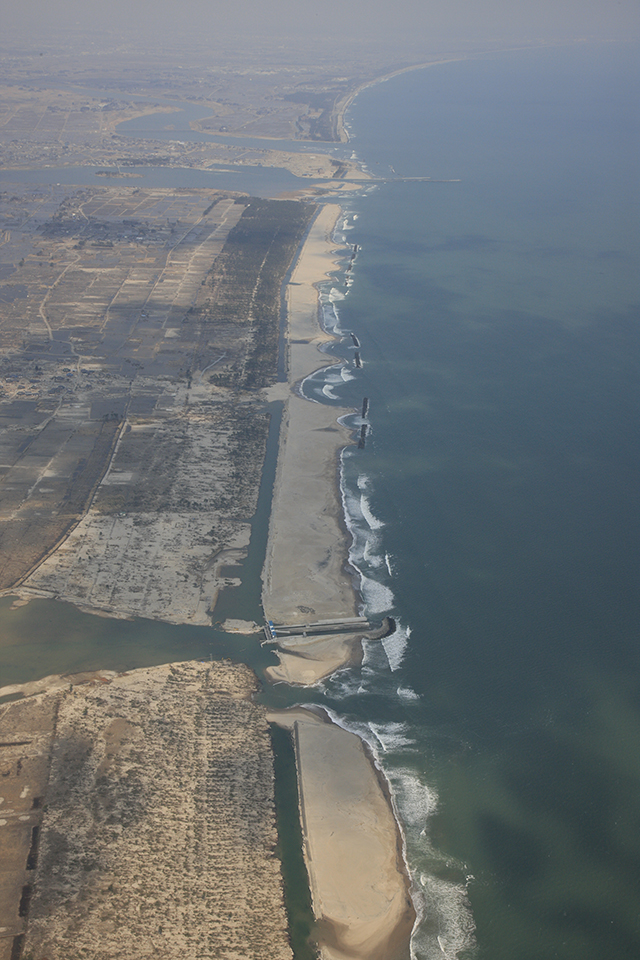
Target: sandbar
x,y
352,844
306,574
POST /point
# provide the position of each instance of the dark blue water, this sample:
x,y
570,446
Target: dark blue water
x,y
495,506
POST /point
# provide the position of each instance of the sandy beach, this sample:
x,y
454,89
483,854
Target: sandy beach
x,y
359,885
305,575
144,547
352,845
353,852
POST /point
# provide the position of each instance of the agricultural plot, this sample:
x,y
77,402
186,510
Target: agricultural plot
x,y
136,330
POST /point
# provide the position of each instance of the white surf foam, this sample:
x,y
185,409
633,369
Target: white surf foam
x,y
447,906
330,319
444,925
367,513
395,646
374,663
320,382
342,685
371,554
392,736
378,598
417,800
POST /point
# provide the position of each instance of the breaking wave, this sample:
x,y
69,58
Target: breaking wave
x,y
444,926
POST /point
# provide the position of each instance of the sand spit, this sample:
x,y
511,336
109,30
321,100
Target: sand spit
x,y
317,659
353,850
158,834
305,575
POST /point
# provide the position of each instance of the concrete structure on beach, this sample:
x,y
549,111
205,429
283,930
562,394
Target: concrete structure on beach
x,y
353,849
154,828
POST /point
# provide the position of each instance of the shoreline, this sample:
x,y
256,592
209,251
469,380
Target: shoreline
x,y
305,573
353,847
353,843
341,107
307,577
342,134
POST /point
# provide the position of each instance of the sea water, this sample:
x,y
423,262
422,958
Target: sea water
x,y
494,508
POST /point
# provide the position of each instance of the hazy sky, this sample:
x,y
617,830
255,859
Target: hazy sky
x,y
434,21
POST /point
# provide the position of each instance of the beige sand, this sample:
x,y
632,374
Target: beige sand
x,y
318,658
352,847
157,823
305,574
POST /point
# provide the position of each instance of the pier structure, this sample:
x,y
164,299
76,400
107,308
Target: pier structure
x,y
281,632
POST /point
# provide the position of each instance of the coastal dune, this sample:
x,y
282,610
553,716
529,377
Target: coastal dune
x,y
154,818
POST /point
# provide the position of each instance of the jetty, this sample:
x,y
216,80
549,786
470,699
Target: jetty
x,y
399,180
277,632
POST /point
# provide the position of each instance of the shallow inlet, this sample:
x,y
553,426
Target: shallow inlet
x,y
46,637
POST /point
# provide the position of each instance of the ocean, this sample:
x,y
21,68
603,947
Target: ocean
x,y
494,507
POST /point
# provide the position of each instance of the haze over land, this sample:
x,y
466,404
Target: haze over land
x,y
409,22
139,330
